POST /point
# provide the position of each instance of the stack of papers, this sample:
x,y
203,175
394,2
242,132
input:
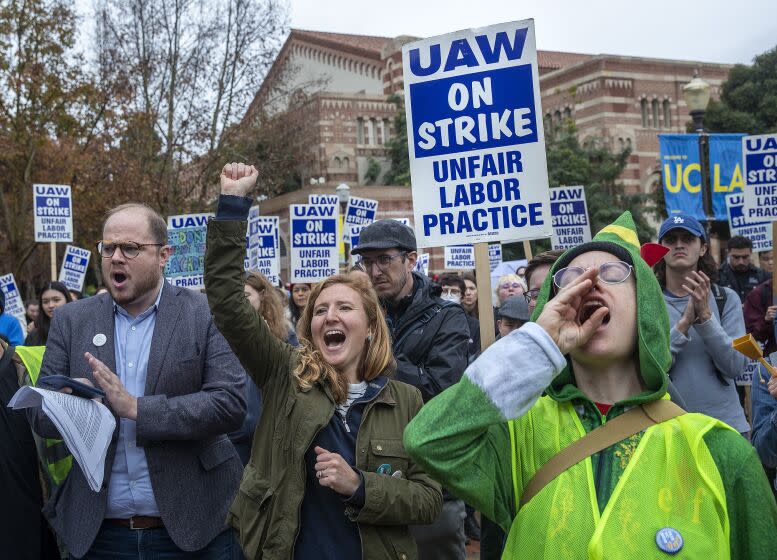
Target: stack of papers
x,y
86,426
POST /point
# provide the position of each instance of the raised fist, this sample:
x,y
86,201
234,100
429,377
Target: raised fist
x,y
238,179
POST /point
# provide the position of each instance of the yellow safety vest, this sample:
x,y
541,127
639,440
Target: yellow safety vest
x,y
669,502
56,456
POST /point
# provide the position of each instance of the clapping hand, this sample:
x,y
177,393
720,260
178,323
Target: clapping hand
x,y
697,285
238,179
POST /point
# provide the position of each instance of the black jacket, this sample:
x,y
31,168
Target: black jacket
x,y
430,341
741,282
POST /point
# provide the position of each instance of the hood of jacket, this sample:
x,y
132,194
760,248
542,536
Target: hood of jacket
x,y
654,356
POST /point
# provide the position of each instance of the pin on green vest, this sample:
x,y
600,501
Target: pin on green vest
x,y
670,497
56,457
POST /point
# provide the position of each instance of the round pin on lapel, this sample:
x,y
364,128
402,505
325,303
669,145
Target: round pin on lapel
x,y
99,339
669,540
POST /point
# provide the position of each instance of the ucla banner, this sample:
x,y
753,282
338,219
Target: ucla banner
x,y
682,172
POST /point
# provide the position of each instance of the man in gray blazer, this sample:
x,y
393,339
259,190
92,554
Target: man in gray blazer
x,y
171,472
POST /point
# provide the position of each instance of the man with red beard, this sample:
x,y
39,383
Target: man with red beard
x,y
177,390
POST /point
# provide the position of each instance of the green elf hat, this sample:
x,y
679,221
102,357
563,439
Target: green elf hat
x,y
620,239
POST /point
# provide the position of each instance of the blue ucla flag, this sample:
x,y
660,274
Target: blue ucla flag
x,y
682,172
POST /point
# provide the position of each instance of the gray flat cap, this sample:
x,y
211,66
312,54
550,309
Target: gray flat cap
x,y
515,308
385,234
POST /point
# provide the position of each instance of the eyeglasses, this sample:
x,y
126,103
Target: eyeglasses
x,y
507,285
382,261
451,290
614,272
531,295
129,249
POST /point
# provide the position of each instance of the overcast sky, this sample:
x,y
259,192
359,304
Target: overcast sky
x,y
706,30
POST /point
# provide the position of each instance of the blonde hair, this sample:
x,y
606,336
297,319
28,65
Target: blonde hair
x,y
377,356
270,305
510,278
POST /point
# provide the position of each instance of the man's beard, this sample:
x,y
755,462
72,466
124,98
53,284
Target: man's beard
x,y
139,287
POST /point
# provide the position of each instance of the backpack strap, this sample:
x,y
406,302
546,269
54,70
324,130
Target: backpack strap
x,y
720,299
627,424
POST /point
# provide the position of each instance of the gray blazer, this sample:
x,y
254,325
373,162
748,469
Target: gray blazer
x,y
194,396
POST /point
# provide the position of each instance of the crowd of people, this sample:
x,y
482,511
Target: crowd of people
x,y
359,417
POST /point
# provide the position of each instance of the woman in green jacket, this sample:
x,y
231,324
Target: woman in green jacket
x,y
328,476
688,486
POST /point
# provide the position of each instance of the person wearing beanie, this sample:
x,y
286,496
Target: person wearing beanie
x,y
10,329
704,318
598,349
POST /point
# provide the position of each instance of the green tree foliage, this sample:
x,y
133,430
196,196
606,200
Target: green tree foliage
x,y
372,173
748,100
399,173
598,169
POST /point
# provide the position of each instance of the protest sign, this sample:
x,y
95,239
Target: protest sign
x,y
494,255
403,221
53,213
475,136
747,376
264,247
186,235
422,264
74,266
359,212
13,300
759,232
759,154
571,226
314,242
460,257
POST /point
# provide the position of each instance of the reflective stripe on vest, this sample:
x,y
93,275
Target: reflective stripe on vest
x,y
56,457
671,481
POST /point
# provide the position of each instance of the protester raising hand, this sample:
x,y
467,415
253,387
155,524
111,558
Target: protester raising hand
x,y
560,317
237,179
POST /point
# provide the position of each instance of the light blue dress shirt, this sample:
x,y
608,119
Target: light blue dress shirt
x,y
129,491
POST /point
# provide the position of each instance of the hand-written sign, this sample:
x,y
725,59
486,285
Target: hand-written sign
x,y
476,143
186,236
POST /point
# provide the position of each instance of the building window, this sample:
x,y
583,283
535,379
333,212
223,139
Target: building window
x,y
667,114
370,124
338,163
379,128
346,163
656,114
557,118
386,127
644,105
567,114
360,130
548,123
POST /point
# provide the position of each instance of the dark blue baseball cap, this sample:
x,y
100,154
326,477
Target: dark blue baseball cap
x,y
681,221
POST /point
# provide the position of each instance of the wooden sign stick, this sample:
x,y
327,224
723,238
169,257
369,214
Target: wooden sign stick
x,y
53,252
485,307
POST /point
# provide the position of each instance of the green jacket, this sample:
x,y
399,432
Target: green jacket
x,y
266,510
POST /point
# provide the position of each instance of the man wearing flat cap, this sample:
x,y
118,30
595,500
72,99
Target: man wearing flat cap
x,y
430,343
512,314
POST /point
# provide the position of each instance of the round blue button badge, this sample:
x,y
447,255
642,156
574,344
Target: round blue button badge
x,y
669,540
385,468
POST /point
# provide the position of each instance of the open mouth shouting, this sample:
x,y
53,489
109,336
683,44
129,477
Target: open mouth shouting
x,y
119,279
589,307
334,339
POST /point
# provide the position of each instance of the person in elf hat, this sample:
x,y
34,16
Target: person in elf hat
x,y
599,347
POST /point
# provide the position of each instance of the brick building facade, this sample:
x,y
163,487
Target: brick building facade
x,y
334,87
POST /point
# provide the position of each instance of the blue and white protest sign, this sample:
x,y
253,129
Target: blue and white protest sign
x,y
460,257
422,264
74,266
759,154
747,376
263,248
759,232
13,299
571,225
324,200
475,136
186,235
494,255
359,212
53,205
314,242
403,221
